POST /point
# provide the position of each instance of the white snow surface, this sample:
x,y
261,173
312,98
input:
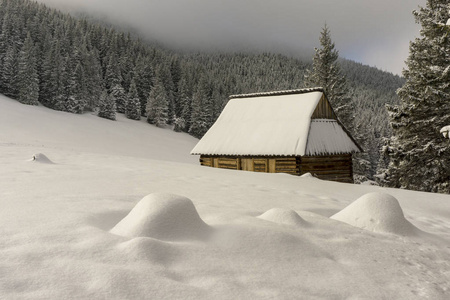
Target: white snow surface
x,y
264,125
58,242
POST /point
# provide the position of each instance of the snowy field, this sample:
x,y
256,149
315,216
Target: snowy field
x,y
65,233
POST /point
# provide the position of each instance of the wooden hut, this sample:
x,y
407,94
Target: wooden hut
x,y
292,132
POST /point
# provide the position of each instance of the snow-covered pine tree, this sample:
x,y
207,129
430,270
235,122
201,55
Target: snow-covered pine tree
x,y
419,155
202,114
95,84
143,77
133,104
27,76
157,105
326,73
185,98
107,106
9,72
119,95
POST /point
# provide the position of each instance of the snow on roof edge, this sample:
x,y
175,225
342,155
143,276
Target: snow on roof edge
x,y
279,93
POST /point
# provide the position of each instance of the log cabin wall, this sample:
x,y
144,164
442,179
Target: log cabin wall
x,y
331,167
289,165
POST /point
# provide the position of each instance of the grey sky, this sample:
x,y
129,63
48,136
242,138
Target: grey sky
x,y
374,32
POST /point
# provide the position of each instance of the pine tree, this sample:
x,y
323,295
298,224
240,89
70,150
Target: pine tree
x,y
119,96
157,105
107,107
133,104
419,155
143,77
9,72
185,98
202,115
326,73
27,76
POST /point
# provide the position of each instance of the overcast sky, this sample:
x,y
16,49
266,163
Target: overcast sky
x,y
374,32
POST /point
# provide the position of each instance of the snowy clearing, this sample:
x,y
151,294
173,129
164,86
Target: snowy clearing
x,y
194,232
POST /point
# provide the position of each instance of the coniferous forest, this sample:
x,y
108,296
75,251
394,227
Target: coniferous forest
x,y
76,65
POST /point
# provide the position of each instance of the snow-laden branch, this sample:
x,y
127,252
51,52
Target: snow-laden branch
x,y
446,131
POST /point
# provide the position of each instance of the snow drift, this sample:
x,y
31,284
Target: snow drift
x,y
41,158
163,216
283,216
377,212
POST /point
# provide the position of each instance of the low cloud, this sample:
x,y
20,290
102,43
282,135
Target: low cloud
x,y
372,32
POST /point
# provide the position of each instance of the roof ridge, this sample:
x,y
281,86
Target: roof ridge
x,y
278,93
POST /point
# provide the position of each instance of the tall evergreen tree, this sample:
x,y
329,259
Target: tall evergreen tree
x,y
119,96
143,77
9,72
107,106
202,114
27,76
326,73
419,155
157,105
133,104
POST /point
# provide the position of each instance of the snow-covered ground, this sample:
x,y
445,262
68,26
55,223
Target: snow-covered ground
x,y
195,232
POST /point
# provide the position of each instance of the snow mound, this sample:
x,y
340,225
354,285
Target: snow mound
x,y
41,158
283,216
308,175
377,212
165,217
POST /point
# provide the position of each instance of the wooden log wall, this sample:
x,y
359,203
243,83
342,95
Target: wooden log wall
x,y
323,110
290,165
333,167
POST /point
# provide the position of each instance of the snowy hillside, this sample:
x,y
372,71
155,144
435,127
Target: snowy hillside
x,y
96,209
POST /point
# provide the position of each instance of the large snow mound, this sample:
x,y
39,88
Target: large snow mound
x,y
41,158
283,216
163,216
377,212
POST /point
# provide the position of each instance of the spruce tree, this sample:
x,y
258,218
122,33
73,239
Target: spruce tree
x,y
419,155
27,76
326,73
157,105
9,72
133,104
202,115
107,107
143,77
119,96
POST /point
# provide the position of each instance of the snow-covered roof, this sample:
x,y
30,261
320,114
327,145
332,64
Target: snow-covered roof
x,y
276,123
328,136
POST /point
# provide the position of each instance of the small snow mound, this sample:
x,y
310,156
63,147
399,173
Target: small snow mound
x,y
165,217
41,158
377,212
283,216
307,175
